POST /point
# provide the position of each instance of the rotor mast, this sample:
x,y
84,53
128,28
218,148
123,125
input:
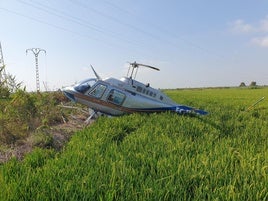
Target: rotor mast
x,y
36,52
133,67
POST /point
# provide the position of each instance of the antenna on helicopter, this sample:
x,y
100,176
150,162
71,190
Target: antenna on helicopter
x,y
135,67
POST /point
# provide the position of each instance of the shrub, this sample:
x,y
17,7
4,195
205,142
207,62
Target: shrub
x,y
47,108
4,92
17,117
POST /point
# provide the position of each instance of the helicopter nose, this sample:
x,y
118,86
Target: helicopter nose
x,y
69,93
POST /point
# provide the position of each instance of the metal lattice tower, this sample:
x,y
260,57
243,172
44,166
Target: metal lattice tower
x,y
36,52
3,75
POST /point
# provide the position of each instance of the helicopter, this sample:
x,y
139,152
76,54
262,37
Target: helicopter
x,y
117,97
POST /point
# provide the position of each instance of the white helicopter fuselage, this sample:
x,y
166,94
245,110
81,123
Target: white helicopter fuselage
x,y
117,97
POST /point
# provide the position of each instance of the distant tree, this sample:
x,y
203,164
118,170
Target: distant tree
x,y
253,84
242,84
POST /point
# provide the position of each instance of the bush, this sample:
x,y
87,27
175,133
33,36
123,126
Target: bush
x,y
47,108
41,139
4,92
16,119
22,113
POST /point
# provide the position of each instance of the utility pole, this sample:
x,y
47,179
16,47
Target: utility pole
x,y
3,75
36,52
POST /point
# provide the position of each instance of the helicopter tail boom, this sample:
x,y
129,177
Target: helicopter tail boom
x,y
182,109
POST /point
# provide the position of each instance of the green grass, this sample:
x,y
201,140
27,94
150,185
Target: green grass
x,y
222,156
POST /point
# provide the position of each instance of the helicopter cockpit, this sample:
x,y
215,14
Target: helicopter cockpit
x,y
85,85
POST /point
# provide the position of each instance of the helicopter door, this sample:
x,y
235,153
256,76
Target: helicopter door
x,y
98,91
116,97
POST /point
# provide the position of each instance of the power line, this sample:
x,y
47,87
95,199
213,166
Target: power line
x,y
52,25
111,18
40,21
62,15
161,28
107,43
78,21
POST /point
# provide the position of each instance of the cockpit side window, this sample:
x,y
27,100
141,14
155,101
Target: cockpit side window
x,y
84,86
116,97
98,91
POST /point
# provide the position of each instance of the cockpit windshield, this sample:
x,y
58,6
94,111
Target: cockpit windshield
x,y
85,85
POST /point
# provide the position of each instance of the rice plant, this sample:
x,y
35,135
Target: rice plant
x,y
222,156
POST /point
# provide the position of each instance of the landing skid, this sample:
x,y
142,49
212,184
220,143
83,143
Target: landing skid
x,y
93,115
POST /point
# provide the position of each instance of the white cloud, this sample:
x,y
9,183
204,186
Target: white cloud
x,y
264,25
239,26
260,41
261,28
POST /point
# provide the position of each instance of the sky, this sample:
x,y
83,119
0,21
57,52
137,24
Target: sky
x,y
194,43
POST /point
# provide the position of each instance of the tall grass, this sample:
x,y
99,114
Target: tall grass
x,y
222,156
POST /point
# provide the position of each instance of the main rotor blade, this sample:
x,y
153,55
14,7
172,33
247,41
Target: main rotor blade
x,y
150,67
96,74
135,65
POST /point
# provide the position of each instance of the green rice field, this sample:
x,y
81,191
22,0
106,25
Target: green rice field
x,y
221,156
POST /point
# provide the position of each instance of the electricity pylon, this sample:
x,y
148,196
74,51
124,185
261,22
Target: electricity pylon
x,y
36,52
3,75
